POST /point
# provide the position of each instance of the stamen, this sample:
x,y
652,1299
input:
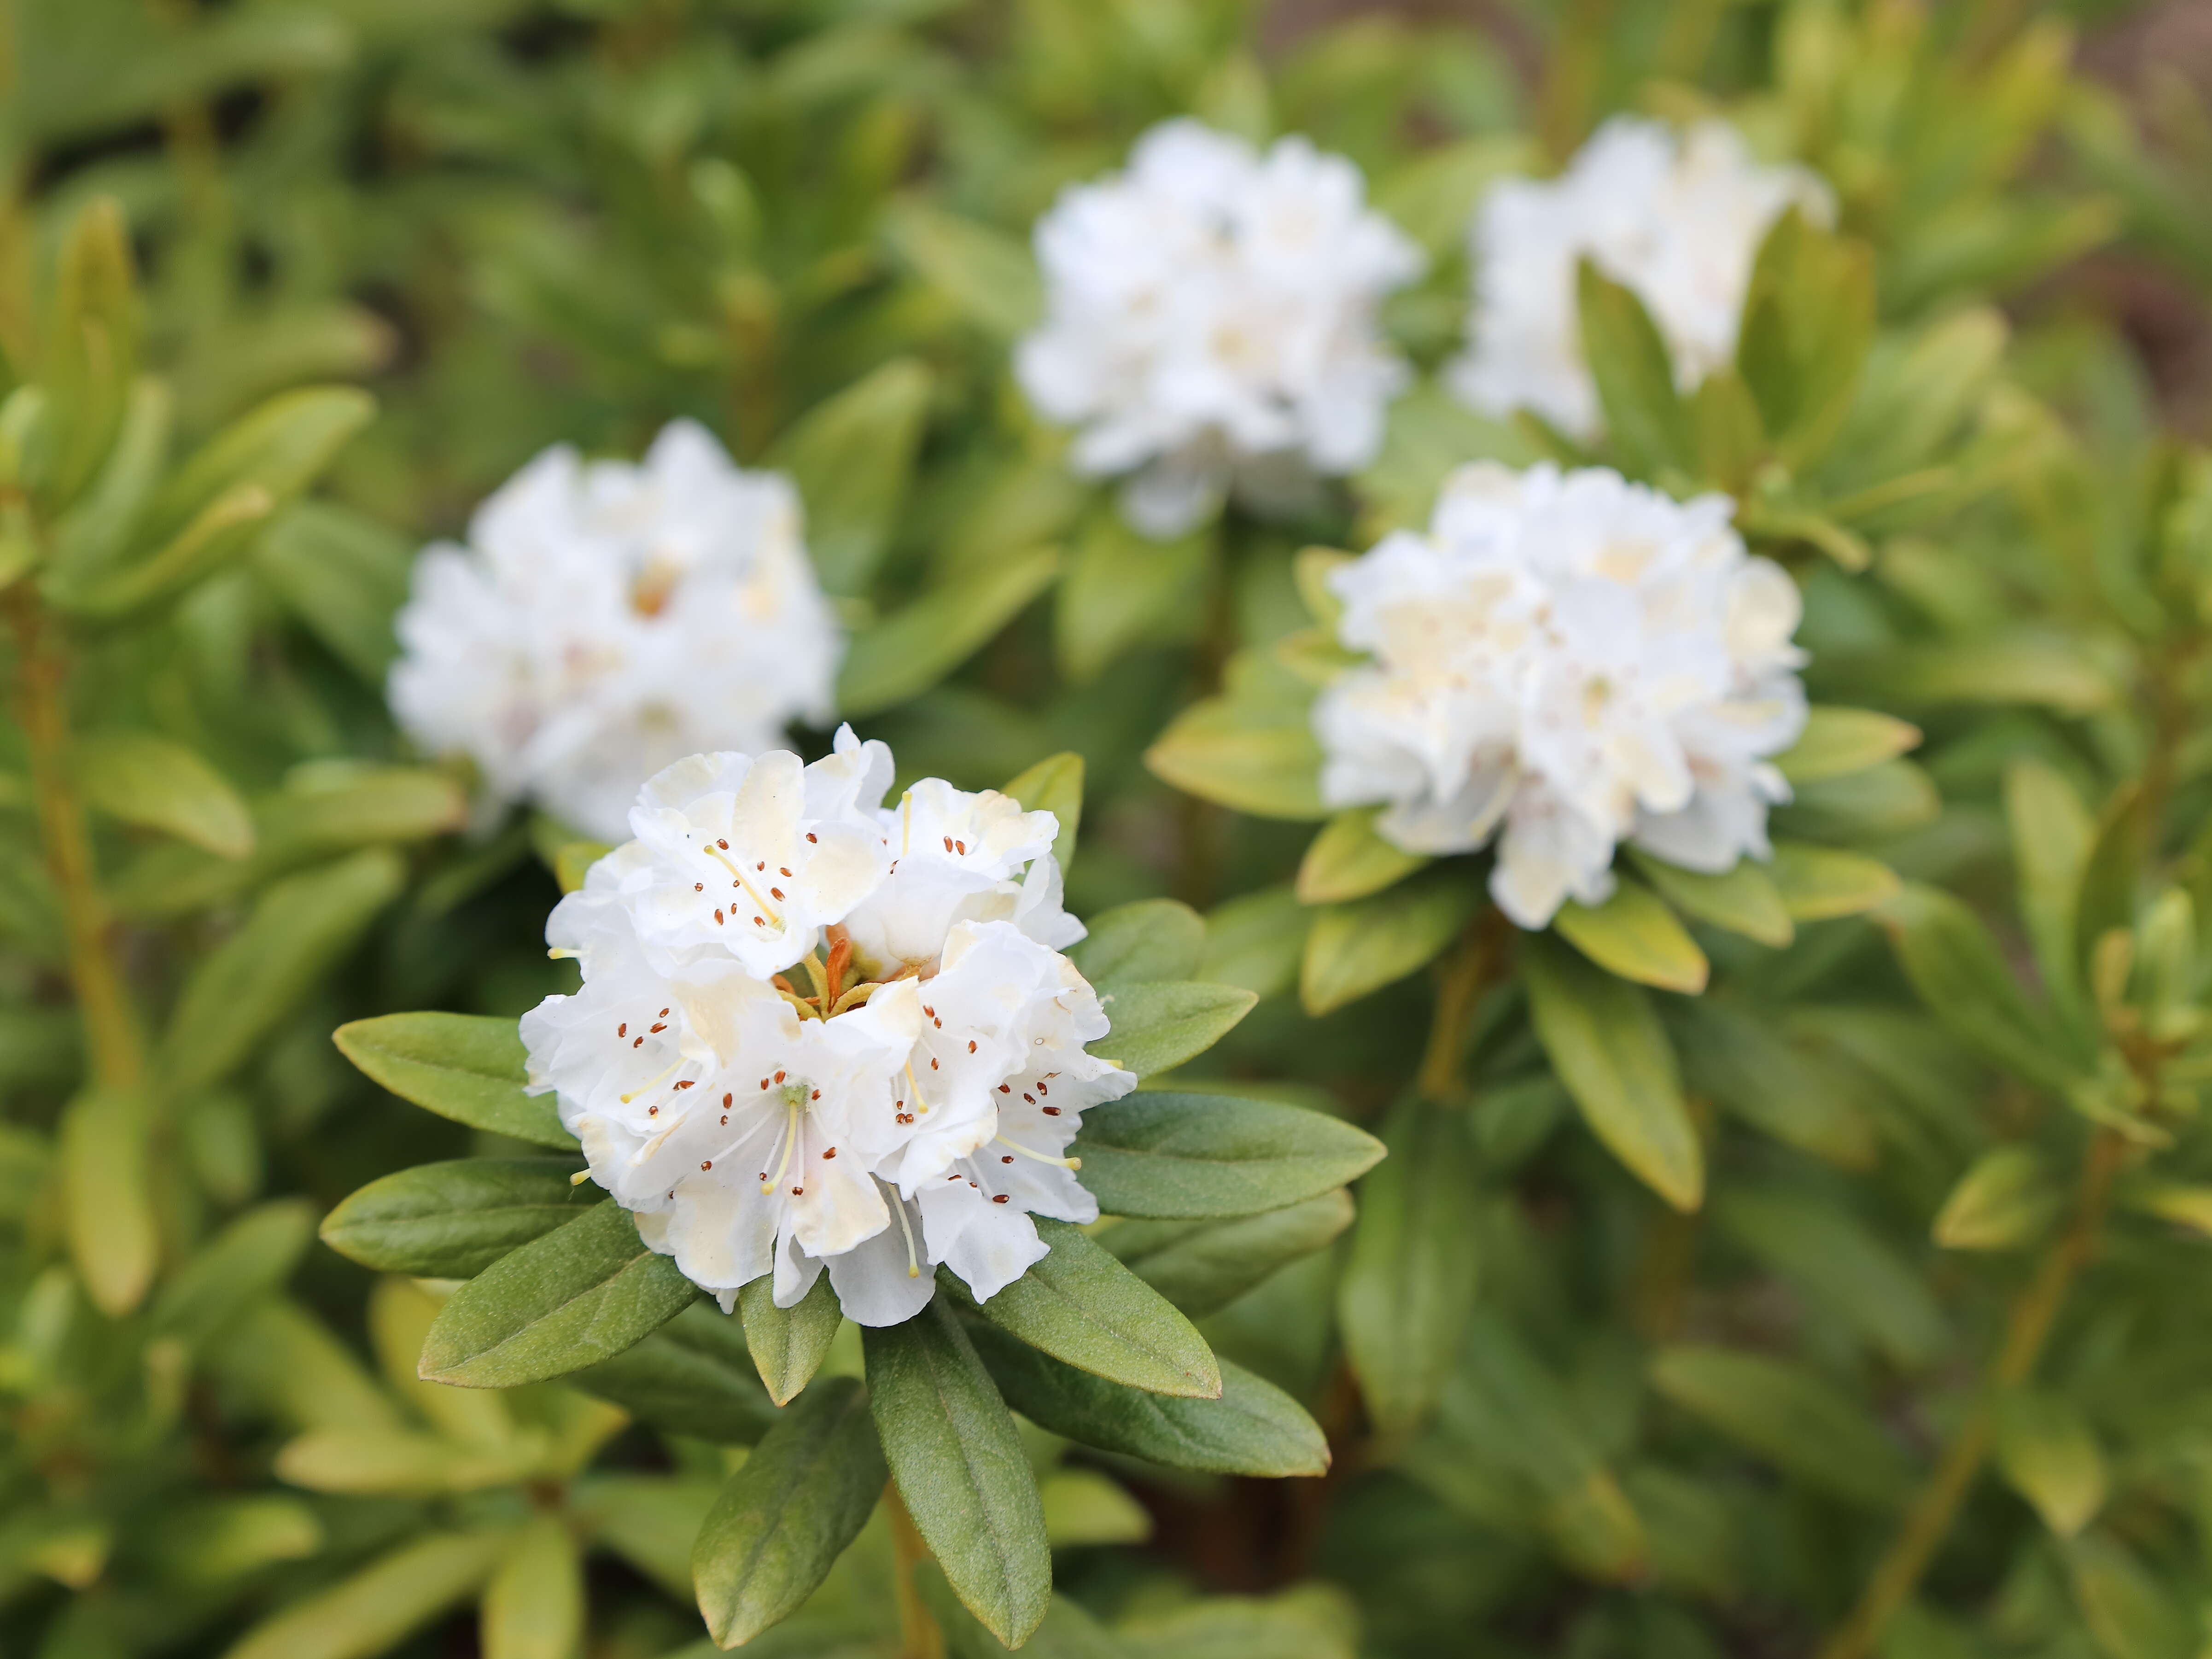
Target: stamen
x,y
580,1177
914,1086
906,821
712,853
1041,1158
647,1088
561,953
790,1140
912,1268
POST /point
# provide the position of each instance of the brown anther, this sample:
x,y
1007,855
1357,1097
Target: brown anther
x,y
763,864
653,1111
810,835
775,892
961,848
763,1086
622,1029
971,1045
726,1117
698,886
832,1153
798,1192
1006,1158
817,1095
663,1014
687,1082
760,922
726,1102
724,845
999,1197
651,1029
780,871
718,918
932,1062
1006,1089
1050,1111
778,1077
637,1043
705,1163
948,843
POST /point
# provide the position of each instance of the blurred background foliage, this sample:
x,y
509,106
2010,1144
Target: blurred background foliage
x,y
803,223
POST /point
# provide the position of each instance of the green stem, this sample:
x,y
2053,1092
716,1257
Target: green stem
x,y
115,1048
1929,1522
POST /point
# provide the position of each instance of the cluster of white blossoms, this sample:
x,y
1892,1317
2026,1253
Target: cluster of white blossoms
x,y
1567,661
1676,218
1210,323
606,619
814,1030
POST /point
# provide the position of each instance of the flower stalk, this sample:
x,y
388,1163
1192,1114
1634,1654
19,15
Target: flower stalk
x,y
919,1636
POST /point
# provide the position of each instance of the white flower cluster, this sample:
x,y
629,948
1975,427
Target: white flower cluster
x,y
814,1030
1210,323
606,619
1675,218
1567,661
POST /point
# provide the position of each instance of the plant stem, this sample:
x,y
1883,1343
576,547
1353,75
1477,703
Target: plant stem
x,y
1899,1572
919,1636
115,1048
1469,971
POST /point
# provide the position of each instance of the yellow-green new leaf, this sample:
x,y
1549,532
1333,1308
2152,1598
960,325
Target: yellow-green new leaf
x,y
1836,742
1350,860
534,1606
851,456
1053,785
157,784
2005,1200
1361,946
1744,900
1820,883
106,1185
905,654
1635,935
1608,1047
2051,1458
377,1607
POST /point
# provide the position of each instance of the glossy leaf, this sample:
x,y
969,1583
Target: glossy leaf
x,y
1254,1428
464,1067
783,1520
576,1295
1159,1026
1082,1306
957,1459
453,1220
1189,1156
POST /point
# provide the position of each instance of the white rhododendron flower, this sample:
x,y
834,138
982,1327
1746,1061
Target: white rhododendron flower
x,y
1676,218
816,1030
1211,322
1565,661
606,619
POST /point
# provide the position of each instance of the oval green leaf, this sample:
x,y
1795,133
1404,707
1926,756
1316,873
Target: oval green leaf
x,y
452,1220
468,1067
1159,1026
1163,1156
1635,935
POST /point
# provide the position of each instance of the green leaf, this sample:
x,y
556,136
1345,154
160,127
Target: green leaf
x,y
1963,979
1729,437
2046,669
453,1220
246,986
2051,1458
1887,799
1082,1306
783,1519
650,1521
533,1607
1801,1423
1254,1428
2111,873
987,274
1744,900
567,1300
2051,834
1252,749
1257,941
105,1136
1820,883
2128,1611
379,1606
905,654
1748,1067
1350,860
1837,1263
1837,742
1084,1506
1150,939
1186,1157
1124,590
252,1257
1644,419
1054,785
1358,948
1809,319
2006,1198
1608,1047
140,779
1409,1279
852,456
465,1066
1312,1621
692,1377
1204,1266
202,514
1159,1026
1635,935
788,1343
957,1458
342,574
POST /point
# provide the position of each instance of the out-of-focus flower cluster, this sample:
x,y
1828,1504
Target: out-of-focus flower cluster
x,y
606,619
1565,661
817,1029
1211,323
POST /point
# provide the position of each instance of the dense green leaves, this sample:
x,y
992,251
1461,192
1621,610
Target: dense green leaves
x,y
1799,1422
910,650
1361,946
579,1294
1184,1156
694,1376
453,1220
1203,1266
459,1066
954,1451
785,1516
